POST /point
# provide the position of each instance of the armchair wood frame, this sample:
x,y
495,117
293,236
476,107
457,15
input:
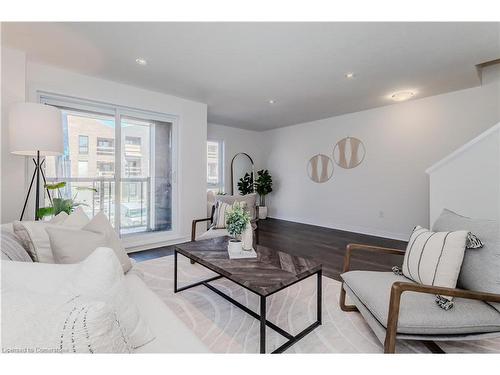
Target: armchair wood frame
x,y
400,287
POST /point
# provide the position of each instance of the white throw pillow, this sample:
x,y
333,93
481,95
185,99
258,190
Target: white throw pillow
x,y
434,258
71,245
35,239
52,323
99,277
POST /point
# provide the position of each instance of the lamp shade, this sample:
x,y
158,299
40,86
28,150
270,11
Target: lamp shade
x,y
35,127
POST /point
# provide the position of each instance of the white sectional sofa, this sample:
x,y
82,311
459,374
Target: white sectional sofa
x,y
171,334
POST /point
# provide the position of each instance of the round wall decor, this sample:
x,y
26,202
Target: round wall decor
x,y
320,168
349,152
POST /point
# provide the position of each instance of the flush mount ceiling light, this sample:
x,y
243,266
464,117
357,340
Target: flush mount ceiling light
x,y
141,61
349,75
401,96
271,101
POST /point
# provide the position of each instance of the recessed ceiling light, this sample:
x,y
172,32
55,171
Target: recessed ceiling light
x,y
400,96
141,61
349,75
271,101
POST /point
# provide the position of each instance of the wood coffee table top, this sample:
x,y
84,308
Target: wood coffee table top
x,y
270,272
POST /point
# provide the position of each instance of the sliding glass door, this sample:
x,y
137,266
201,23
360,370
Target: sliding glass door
x,y
125,156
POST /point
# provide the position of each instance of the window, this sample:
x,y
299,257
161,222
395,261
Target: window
x,y
83,144
130,168
105,168
105,146
215,174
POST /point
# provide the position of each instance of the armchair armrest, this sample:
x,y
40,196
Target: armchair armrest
x,y
377,249
193,226
347,265
399,287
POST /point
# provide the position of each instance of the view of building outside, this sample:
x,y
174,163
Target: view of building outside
x,y
214,166
89,161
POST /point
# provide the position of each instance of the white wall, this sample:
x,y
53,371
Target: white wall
x,y
13,66
388,194
468,180
235,141
191,174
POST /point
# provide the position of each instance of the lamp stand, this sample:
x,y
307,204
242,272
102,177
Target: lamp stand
x,y
36,174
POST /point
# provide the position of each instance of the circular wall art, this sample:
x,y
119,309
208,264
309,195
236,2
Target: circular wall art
x,y
349,152
320,168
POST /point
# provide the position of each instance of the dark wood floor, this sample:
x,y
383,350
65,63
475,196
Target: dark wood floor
x,y
324,244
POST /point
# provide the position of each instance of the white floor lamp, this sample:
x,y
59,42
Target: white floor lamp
x,y
35,130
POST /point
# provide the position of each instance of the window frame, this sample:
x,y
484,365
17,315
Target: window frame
x,y
135,240
80,137
220,187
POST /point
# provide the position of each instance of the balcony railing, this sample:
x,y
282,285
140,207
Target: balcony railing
x,y
135,202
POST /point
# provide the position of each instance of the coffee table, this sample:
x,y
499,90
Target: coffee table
x,y
265,275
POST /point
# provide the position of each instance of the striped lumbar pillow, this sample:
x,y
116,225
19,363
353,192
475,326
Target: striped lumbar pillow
x,y
221,209
434,258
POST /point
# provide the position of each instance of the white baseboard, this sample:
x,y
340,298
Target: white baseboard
x,y
174,241
349,228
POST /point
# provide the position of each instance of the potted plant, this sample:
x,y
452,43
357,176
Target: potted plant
x,y
60,204
237,221
263,186
245,184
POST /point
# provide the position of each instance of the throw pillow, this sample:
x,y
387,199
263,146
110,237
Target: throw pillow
x,y
99,278
480,267
34,238
434,258
249,199
51,323
11,247
71,245
220,213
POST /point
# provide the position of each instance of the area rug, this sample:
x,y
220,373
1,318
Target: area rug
x,y
225,328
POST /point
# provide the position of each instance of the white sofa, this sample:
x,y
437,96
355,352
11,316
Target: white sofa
x,y
171,334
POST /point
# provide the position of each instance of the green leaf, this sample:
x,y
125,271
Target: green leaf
x,y
55,186
62,205
86,188
44,211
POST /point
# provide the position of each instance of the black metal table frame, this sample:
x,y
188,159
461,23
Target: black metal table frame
x,y
292,339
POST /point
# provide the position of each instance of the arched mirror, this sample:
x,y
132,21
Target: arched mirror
x,y
242,172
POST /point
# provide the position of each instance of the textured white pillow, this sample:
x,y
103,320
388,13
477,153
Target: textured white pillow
x,y
35,239
52,323
99,277
434,258
70,245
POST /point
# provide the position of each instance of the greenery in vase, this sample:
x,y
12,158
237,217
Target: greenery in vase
x,y
237,219
245,184
263,185
60,204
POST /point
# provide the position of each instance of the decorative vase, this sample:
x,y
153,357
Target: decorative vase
x,y
262,212
247,238
234,245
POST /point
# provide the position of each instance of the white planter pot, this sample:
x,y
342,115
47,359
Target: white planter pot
x,y
234,246
262,212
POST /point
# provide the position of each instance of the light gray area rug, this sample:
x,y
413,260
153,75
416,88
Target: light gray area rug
x,y
225,328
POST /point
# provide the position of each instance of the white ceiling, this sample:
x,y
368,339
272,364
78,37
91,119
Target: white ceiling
x,y
237,67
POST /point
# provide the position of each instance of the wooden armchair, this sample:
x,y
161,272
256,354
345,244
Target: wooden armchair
x,y
220,232
377,293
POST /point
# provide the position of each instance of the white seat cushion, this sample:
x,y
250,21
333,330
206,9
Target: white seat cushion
x,y
419,314
171,334
213,233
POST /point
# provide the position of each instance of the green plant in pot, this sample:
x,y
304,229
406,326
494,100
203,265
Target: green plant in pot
x,y
263,186
237,220
60,204
245,184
